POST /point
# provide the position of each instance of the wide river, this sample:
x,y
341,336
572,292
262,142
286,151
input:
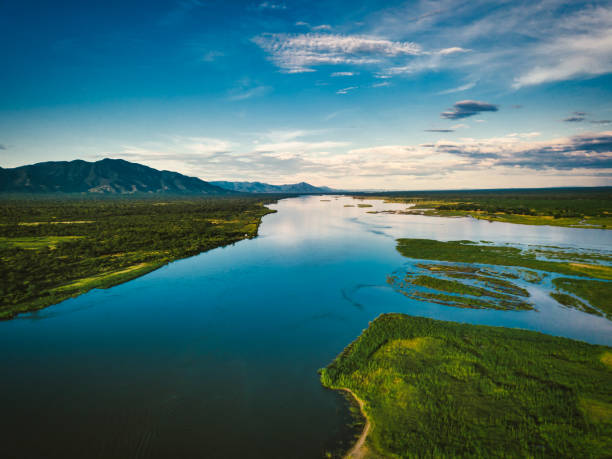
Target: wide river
x,y
217,355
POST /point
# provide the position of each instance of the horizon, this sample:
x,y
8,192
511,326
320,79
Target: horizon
x,y
420,96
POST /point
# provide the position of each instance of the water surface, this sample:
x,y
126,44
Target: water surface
x,y
216,355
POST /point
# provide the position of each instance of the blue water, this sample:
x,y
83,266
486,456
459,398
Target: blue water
x,y
216,355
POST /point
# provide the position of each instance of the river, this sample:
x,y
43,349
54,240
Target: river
x,y
217,355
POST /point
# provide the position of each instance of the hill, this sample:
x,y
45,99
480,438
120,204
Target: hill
x,y
259,187
108,176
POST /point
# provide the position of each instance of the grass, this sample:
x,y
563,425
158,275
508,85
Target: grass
x,y
441,389
51,249
591,291
469,252
597,293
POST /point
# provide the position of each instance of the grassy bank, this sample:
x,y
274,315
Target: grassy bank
x,y
441,389
54,249
574,207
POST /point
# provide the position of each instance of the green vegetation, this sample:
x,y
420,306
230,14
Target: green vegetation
x,y
485,290
597,293
576,207
478,287
469,252
441,389
54,249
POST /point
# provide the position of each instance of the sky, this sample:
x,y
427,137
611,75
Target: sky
x,y
412,95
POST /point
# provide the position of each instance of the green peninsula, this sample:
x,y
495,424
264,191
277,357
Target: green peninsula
x,y
441,389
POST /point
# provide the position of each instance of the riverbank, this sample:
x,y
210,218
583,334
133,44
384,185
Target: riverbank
x,y
567,207
55,249
443,388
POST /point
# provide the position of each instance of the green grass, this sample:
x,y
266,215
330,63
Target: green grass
x,y
51,249
469,252
597,293
443,389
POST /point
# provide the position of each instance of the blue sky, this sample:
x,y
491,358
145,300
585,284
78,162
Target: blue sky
x,y
387,95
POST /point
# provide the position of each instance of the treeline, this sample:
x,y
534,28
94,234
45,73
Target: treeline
x,y
556,202
52,249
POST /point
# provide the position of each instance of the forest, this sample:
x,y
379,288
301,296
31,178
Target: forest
x,y
442,389
56,248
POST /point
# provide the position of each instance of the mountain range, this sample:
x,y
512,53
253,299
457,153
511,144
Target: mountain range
x,y
259,187
117,176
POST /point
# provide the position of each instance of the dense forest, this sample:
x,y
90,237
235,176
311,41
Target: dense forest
x,y
444,389
52,249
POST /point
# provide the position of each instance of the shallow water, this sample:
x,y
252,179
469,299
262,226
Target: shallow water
x,y
216,355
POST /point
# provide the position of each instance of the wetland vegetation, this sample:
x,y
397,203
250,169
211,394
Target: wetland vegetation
x,y
53,249
475,286
443,389
574,207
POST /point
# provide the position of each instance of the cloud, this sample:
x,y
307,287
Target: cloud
x,y
601,121
511,43
211,56
179,12
300,53
294,155
346,90
575,118
271,6
570,57
463,87
584,151
466,108
452,50
339,74
2,147
246,90
439,130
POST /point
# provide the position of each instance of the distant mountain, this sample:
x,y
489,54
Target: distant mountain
x,y
108,176
258,187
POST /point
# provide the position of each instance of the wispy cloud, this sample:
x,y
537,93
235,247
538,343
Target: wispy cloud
x,y
271,6
463,87
300,53
575,118
346,90
179,12
341,74
467,108
246,89
439,130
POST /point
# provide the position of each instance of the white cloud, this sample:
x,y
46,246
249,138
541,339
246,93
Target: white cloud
x,y
463,87
346,90
300,53
570,57
340,74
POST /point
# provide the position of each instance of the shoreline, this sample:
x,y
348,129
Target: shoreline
x,y
109,279
359,449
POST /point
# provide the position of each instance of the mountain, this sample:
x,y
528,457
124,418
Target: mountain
x,y
258,187
108,176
